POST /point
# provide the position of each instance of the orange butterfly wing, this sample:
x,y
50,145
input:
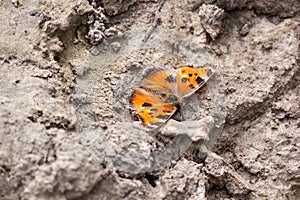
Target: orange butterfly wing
x,y
150,102
157,97
190,79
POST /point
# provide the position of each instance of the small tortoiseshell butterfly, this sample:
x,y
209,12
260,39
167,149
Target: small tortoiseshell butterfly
x,y
159,94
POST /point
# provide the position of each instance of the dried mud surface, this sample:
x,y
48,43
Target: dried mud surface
x,y
69,67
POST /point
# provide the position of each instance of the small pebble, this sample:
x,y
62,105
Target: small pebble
x,y
115,46
33,13
95,51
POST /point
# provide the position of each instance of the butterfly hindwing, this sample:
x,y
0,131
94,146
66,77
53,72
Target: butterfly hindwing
x,y
154,117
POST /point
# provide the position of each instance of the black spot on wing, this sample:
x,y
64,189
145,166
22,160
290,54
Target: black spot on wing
x,y
163,95
149,90
151,113
162,116
153,109
167,111
170,79
184,80
156,124
191,86
137,117
190,75
199,80
146,104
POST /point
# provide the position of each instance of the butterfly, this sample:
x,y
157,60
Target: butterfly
x,y
158,95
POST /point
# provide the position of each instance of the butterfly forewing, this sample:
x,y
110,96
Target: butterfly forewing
x,y
190,79
149,101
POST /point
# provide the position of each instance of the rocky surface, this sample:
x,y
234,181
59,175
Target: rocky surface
x,y
68,69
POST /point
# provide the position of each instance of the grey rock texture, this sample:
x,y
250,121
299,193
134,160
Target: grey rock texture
x,y
68,69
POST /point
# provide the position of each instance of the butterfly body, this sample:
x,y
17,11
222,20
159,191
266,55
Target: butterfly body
x,y
157,97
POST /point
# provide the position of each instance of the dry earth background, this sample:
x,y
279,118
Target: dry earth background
x,y
67,68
